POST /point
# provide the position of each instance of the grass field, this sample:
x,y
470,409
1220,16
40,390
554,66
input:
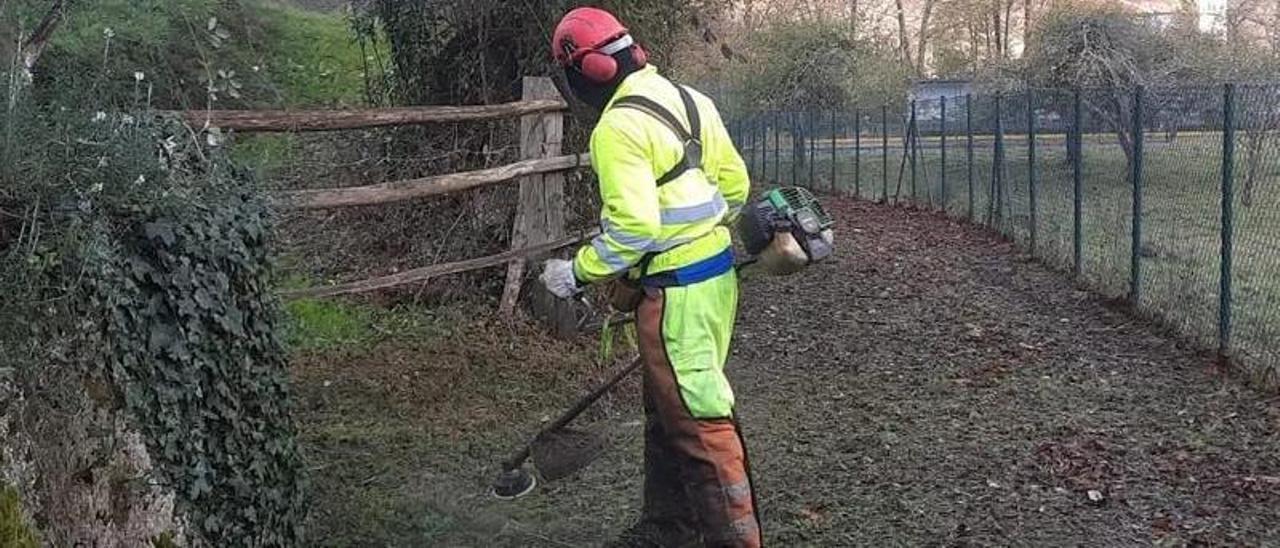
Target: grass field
x,y
1179,256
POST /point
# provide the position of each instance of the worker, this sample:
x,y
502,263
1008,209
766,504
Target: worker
x,y
671,184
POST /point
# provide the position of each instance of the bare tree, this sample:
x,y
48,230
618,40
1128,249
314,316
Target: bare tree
x,y
904,45
1108,50
1027,21
853,18
31,46
1008,26
996,33
1274,28
925,31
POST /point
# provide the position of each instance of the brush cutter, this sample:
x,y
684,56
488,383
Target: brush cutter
x,y
784,231
557,451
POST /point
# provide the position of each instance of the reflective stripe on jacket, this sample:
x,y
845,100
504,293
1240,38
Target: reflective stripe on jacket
x,y
630,150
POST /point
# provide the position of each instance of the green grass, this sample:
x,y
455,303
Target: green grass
x,y
347,326
1181,232
313,57
276,55
322,324
14,531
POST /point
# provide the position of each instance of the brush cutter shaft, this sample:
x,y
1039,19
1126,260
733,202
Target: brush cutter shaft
x,y
564,419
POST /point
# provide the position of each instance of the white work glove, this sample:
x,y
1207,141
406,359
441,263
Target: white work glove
x,y
557,275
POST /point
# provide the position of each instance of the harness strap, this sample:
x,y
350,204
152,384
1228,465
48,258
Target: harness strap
x,y
691,159
692,137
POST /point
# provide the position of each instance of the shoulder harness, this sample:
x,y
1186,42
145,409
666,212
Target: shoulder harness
x,y
692,137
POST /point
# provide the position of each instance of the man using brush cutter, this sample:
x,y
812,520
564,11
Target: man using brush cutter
x,y
671,183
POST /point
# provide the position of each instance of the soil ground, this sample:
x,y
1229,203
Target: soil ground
x,y
930,386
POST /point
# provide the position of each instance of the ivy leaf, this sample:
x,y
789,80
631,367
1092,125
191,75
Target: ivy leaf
x,y
162,337
161,231
202,298
199,487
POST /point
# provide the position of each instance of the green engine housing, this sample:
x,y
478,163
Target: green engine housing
x,y
788,209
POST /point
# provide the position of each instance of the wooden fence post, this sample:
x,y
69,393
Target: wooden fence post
x,y
540,212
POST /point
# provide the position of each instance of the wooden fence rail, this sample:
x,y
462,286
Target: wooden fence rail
x,y
293,121
413,189
426,273
539,224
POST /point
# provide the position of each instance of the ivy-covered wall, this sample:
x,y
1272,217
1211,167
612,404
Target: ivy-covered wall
x,y
191,331
139,332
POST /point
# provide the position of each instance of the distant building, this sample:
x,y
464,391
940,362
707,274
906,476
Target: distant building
x,y
1213,16
928,96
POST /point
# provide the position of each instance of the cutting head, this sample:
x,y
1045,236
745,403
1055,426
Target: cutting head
x,y
513,484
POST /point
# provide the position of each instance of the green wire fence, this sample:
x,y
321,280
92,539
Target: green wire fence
x,y
1169,198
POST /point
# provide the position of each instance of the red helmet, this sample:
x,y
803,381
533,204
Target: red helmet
x,y
587,39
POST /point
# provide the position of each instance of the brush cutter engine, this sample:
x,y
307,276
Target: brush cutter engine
x,y
786,230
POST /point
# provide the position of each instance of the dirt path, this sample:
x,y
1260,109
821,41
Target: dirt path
x,y
932,388
928,387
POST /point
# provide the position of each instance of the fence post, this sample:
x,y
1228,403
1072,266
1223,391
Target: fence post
x,y
762,136
995,207
1135,262
795,160
757,135
944,154
913,141
757,123
884,156
834,133
857,152
540,211
777,147
1031,166
812,134
1077,179
1228,219
968,131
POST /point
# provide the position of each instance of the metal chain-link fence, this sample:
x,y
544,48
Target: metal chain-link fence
x,y
1167,197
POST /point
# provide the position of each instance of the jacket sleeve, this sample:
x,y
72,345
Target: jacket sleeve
x,y
727,170
631,220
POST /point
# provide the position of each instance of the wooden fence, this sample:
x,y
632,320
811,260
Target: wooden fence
x,y
539,225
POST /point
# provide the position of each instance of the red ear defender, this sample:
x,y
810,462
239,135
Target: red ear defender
x,y
598,67
641,56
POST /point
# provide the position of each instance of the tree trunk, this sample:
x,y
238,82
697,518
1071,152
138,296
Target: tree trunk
x,y
853,18
1008,26
995,15
923,43
1026,23
904,45
31,49
1274,28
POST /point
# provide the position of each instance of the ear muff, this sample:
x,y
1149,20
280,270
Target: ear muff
x,y
640,55
598,67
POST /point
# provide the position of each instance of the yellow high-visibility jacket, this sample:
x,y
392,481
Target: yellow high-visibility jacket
x,y
681,222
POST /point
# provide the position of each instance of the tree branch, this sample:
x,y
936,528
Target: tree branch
x,y
34,46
